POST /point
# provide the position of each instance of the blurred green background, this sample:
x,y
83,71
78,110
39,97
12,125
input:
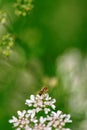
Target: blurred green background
x,y
50,49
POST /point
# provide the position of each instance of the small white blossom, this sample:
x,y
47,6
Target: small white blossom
x,y
46,110
31,113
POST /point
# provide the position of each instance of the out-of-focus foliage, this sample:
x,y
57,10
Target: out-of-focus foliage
x,y
42,55
6,43
72,70
23,7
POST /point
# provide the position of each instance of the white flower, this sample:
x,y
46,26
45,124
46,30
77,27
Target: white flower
x,y
46,110
67,119
21,114
31,113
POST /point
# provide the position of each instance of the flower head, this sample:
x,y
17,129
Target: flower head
x,y
22,121
43,102
58,119
41,115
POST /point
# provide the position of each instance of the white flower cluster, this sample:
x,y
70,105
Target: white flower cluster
x,y
23,7
40,115
3,17
6,44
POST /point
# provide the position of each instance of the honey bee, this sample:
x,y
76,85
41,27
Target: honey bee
x,y
43,90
